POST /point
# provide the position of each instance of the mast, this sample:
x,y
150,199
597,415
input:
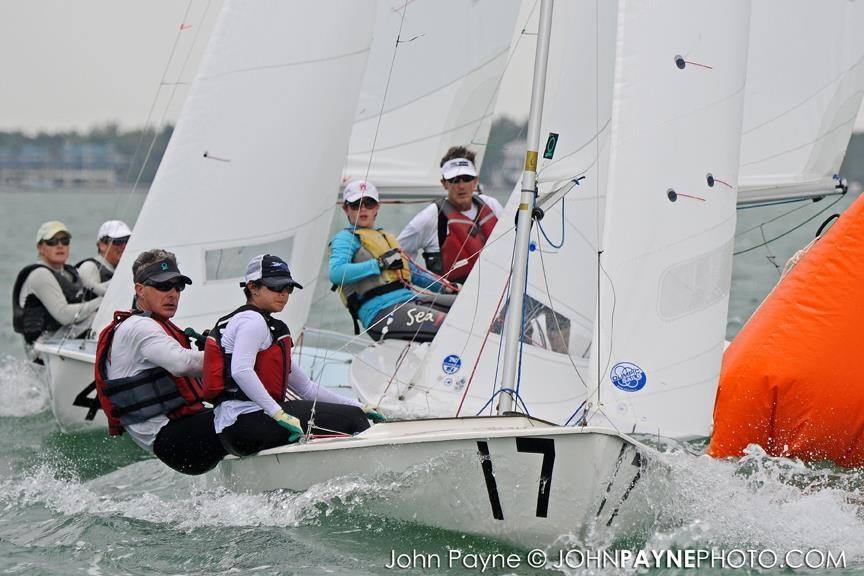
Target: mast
x,y
518,278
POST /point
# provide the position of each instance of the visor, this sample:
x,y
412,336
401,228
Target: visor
x,y
161,271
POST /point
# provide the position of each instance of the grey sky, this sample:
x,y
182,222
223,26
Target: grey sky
x,y
73,64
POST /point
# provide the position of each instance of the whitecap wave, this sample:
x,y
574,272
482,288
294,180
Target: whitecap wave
x,y
23,387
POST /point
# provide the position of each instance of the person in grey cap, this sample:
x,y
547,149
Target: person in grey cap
x,y
111,241
262,399
148,375
50,297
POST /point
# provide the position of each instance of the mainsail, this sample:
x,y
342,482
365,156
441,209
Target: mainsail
x,y
240,177
802,97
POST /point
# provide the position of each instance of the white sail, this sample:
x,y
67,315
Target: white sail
x,y
578,108
805,80
254,163
674,127
405,119
670,215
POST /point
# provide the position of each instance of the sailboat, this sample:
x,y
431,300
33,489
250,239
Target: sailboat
x,y
262,141
659,255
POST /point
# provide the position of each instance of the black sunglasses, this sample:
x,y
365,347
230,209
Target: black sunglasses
x,y
167,286
65,240
288,287
461,178
365,202
115,241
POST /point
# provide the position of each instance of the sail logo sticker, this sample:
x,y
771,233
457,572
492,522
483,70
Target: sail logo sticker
x,y
451,364
628,377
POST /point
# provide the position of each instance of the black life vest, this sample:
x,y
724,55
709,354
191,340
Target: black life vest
x,y
104,273
460,237
272,366
149,393
32,319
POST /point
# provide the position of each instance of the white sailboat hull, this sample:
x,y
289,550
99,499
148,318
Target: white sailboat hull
x,y
512,478
70,369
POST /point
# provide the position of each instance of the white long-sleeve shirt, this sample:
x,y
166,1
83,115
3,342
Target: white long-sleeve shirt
x,y
141,343
89,272
244,337
42,283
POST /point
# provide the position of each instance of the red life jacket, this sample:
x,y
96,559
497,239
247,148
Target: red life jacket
x,y
149,393
461,237
272,365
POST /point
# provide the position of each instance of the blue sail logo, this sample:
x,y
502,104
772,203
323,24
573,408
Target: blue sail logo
x,y
628,377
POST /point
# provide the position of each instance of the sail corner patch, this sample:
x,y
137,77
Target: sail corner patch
x,y
628,377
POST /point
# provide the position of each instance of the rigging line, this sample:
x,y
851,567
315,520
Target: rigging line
x,y
165,110
386,90
482,346
153,101
788,212
771,257
501,338
494,95
555,316
787,232
542,231
599,183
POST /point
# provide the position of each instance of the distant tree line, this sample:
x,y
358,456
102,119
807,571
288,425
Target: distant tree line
x,y
130,145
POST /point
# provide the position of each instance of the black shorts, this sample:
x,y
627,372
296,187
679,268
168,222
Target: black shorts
x,y
257,431
189,444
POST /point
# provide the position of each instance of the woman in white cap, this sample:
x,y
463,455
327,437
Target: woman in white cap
x,y
453,230
50,297
262,399
110,243
382,289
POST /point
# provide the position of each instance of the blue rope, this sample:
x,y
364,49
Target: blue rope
x,y
501,391
542,231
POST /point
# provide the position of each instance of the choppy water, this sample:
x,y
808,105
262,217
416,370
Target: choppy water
x,y
95,505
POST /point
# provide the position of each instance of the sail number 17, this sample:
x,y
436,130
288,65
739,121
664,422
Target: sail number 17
x,y
544,446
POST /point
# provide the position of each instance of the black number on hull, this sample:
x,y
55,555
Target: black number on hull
x,y
545,446
491,484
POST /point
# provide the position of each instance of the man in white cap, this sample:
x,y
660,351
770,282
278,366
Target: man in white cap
x,y
110,243
452,231
382,289
50,297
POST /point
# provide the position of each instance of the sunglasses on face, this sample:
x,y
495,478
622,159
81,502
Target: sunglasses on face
x,y
115,241
461,178
65,240
166,286
367,203
289,288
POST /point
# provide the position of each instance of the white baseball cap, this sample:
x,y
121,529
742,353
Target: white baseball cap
x,y
114,229
458,167
357,189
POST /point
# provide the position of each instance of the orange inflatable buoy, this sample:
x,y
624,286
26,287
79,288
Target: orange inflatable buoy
x,y
790,380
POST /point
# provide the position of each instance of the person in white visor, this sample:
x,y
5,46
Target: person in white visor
x,y
452,231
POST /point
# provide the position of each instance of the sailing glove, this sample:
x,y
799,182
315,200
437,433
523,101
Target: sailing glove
x,y
373,414
290,423
391,260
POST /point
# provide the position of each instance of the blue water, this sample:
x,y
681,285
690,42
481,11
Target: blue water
x,y
91,504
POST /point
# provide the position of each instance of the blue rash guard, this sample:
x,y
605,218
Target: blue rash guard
x,y
343,271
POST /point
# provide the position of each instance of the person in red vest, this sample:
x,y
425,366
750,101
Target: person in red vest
x,y
262,400
452,231
148,375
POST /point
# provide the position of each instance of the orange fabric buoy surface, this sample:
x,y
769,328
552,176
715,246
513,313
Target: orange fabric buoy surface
x,y
790,380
